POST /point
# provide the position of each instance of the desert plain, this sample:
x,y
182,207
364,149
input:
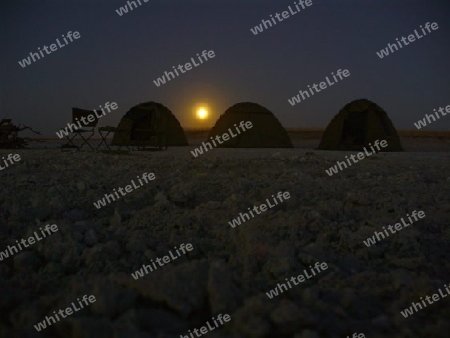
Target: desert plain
x,y
230,270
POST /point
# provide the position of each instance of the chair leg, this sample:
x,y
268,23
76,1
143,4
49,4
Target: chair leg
x,y
70,143
86,141
103,140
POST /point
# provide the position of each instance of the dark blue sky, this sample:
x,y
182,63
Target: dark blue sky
x,y
118,57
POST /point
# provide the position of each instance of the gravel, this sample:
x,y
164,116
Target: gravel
x,y
230,269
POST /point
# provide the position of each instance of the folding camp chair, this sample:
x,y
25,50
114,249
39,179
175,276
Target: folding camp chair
x,y
79,117
105,131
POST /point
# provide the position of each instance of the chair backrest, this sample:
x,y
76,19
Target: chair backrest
x,y
90,119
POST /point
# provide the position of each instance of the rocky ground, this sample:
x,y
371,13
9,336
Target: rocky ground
x,y
230,269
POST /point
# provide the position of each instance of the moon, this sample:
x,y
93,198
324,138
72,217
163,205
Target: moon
x,y
202,113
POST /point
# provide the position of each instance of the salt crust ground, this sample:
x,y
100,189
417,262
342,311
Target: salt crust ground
x,y
229,271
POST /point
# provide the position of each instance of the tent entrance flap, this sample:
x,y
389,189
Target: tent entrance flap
x,y
355,129
138,133
358,124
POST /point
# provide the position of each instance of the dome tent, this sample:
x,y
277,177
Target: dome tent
x,y
266,131
149,118
356,125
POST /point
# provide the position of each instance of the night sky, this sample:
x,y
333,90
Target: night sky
x,y
117,58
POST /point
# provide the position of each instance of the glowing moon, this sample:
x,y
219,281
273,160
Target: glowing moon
x,y
202,113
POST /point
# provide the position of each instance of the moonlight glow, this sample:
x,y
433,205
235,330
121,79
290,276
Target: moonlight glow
x,y
202,113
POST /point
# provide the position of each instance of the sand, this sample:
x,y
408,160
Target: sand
x,y
230,269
